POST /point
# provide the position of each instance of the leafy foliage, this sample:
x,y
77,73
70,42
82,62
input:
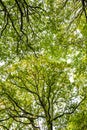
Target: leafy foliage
x,y
43,71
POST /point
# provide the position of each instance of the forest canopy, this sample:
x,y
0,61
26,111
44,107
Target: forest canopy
x,y
43,64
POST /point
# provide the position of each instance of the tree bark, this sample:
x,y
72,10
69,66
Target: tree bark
x,y
49,125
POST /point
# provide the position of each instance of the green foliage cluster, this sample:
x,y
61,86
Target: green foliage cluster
x,y
43,65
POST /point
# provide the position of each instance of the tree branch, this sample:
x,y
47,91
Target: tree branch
x,y
65,113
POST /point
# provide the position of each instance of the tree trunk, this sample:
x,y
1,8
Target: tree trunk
x,y
49,125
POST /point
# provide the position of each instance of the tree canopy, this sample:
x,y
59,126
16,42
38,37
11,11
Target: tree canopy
x,y
43,65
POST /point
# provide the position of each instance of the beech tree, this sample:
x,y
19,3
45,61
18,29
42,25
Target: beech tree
x,y
43,71
23,21
38,91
